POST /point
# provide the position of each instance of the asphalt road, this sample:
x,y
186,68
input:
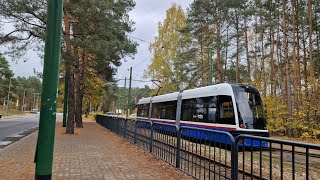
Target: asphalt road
x,y
14,128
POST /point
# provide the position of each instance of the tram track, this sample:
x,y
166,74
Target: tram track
x,y
314,155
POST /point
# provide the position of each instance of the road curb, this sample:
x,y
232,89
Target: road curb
x,y
18,137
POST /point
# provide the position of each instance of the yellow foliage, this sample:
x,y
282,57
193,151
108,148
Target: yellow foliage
x,y
316,134
305,135
275,111
165,49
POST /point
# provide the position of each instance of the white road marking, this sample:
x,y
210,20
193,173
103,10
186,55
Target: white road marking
x,y
16,135
4,143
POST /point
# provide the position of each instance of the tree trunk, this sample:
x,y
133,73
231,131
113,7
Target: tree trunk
x,y
201,56
263,58
225,64
312,76
279,61
238,43
298,49
262,65
247,49
284,30
78,107
273,90
71,103
294,58
317,37
83,78
305,75
219,52
69,73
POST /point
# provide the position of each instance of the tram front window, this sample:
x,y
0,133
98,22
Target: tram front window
x,y
250,108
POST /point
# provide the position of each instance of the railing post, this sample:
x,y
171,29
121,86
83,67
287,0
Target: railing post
x,y
135,133
178,147
151,137
125,127
118,126
112,124
234,160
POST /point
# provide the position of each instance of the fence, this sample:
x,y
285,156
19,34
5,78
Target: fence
x,y
211,154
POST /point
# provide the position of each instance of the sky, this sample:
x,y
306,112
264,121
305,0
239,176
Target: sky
x,y
146,15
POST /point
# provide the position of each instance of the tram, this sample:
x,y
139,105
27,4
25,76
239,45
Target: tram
x,y
233,108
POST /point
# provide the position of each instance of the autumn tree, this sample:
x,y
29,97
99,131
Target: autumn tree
x,y
272,45
95,40
165,64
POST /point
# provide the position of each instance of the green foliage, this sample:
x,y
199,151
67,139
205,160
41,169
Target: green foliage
x,y
5,75
28,87
5,71
118,97
28,20
20,86
101,28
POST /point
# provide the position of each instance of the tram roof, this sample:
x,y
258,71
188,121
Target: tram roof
x,y
165,97
144,100
213,90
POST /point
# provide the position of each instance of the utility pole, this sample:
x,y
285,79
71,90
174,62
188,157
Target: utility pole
x,y
8,96
65,101
47,122
125,85
118,106
211,64
129,93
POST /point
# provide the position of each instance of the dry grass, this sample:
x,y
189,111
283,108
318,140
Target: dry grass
x,y
90,117
11,112
308,140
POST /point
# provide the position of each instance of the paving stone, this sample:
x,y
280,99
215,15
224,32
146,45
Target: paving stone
x,y
91,153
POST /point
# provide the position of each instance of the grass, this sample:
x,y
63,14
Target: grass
x,y
11,112
90,117
306,140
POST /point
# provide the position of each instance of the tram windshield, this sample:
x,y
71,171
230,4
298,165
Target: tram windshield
x,y
250,108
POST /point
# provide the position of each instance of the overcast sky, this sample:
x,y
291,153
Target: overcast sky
x,y
146,15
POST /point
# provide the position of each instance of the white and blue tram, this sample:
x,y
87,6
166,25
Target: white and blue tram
x,y
233,108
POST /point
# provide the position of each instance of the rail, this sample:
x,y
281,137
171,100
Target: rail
x,y
211,154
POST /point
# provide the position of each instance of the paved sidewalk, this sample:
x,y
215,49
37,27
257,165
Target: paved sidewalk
x,y
91,153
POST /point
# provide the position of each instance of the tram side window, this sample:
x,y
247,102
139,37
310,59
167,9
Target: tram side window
x,y
226,111
164,110
202,109
143,110
214,109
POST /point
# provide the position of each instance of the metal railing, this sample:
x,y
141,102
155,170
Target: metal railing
x,y
280,159
203,156
212,154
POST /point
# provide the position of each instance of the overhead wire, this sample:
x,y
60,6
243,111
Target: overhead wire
x,y
142,61
139,39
